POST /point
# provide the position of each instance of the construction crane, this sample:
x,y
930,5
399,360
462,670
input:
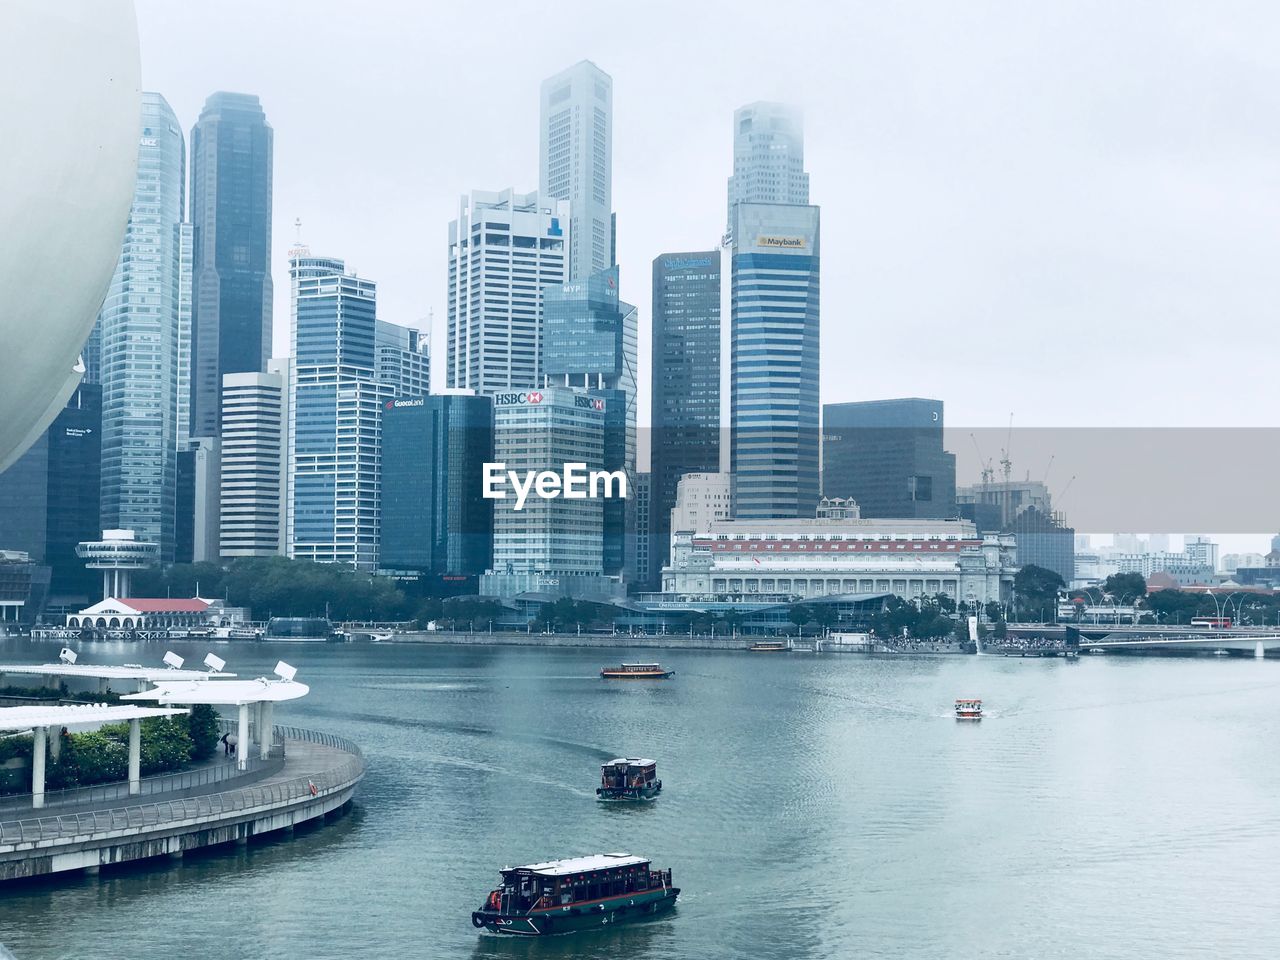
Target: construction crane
x,y
987,472
1006,468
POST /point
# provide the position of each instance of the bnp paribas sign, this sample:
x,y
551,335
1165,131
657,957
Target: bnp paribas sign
x,y
782,243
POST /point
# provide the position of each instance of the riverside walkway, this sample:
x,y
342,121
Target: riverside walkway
x,y
313,775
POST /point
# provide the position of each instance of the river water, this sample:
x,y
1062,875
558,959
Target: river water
x,y
814,806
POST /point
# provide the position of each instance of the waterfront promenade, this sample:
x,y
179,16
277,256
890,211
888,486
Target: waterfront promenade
x,y
309,775
668,641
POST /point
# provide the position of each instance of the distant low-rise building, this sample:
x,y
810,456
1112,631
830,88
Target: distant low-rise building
x,y
816,557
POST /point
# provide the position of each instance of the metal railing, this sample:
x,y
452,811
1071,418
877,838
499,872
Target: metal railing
x,y
172,783
208,807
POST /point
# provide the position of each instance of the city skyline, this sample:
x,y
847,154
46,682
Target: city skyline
x,y
1001,231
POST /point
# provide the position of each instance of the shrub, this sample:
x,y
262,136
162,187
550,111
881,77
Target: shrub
x,y
202,724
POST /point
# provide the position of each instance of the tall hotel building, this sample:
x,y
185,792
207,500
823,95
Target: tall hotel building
x,y
576,161
139,333
505,248
231,151
685,385
335,408
775,257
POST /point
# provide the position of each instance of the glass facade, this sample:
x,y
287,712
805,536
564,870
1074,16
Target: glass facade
x,y
139,341
774,365
434,519
590,342
335,412
768,157
231,151
50,496
576,146
888,456
685,385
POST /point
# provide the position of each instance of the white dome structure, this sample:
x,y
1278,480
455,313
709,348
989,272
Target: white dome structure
x,y
70,119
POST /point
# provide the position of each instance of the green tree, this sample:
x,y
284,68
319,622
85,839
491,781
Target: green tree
x,y
202,726
1132,585
1037,589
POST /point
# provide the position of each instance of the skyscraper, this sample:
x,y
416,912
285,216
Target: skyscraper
x,y
768,157
139,341
774,441
505,248
576,161
400,359
435,522
550,545
50,496
888,456
231,149
590,341
254,443
335,409
685,384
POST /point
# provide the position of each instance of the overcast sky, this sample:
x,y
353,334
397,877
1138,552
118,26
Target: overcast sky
x,y
1065,210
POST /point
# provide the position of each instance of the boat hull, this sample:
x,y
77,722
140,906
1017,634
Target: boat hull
x,y
628,794
568,919
635,675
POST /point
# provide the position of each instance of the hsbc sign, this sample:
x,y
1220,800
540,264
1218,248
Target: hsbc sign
x,y
589,403
516,399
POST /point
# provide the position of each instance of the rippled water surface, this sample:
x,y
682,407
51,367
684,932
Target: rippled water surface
x,y
813,806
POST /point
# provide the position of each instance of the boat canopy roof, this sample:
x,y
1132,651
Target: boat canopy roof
x,y
563,868
643,666
630,762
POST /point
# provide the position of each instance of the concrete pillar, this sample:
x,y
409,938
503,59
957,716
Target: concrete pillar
x,y
264,728
55,743
135,757
1259,651
242,736
37,766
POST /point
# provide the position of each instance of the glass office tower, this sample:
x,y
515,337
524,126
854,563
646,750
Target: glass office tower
x,y
139,341
774,440
685,385
231,151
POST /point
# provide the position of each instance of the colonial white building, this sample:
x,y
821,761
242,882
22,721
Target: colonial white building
x,y
818,557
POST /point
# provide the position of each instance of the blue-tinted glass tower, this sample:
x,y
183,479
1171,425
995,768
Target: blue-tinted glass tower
x,y
685,384
435,522
774,438
590,341
231,150
138,331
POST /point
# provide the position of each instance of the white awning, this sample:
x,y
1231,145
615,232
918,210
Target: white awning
x,y
224,692
74,715
90,671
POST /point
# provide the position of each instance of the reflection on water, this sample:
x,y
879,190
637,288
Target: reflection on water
x,y
813,807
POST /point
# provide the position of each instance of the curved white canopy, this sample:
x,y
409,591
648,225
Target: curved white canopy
x,y
90,671
75,715
224,692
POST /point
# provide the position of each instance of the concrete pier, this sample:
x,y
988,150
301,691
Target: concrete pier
x,y
318,777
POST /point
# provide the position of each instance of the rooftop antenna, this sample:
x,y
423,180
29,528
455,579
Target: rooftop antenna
x,y
297,230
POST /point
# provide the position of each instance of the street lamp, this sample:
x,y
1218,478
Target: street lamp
x,y
1216,606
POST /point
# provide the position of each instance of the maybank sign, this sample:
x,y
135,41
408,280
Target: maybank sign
x,y
782,243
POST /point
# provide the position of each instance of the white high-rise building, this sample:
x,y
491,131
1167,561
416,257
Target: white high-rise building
x,y
504,249
576,161
701,500
254,443
768,157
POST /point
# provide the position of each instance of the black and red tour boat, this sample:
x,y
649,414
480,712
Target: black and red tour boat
x,y
576,894
629,778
